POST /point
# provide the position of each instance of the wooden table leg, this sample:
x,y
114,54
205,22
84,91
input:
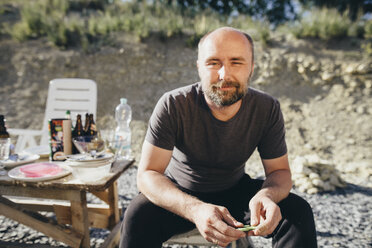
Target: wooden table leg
x,y
111,197
79,217
113,204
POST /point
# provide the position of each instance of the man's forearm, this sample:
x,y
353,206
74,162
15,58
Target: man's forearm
x,y
277,185
162,192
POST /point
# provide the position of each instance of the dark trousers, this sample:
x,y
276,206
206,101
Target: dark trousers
x,y
146,225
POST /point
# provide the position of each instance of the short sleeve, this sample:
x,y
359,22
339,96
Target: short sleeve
x,y
272,144
162,126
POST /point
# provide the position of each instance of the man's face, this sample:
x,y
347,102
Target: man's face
x,y
225,66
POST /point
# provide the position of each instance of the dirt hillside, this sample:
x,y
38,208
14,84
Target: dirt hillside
x,y
324,90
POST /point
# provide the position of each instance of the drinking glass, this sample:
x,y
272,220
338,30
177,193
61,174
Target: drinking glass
x,y
89,145
108,136
4,148
4,153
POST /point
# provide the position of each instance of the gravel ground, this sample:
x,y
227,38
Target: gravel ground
x,y
343,219
325,92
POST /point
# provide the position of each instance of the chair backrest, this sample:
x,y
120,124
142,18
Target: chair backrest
x,y
75,94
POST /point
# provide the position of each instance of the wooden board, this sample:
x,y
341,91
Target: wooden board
x,y
41,223
98,217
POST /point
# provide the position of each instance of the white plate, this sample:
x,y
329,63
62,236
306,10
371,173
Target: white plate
x,y
42,151
75,164
88,158
17,174
29,158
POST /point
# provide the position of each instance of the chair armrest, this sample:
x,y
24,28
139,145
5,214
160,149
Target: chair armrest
x,y
14,131
26,138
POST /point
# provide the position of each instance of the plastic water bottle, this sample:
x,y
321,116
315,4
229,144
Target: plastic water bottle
x,y
123,116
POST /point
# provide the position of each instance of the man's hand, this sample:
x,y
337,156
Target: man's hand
x,y
265,214
216,224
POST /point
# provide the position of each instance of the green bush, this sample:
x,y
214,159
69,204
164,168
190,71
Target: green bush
x,y
21,31
36,17
260,31
82,5
60,22
31,25
356,29
323,23
69,23
368,29
367,48
102,24
66,33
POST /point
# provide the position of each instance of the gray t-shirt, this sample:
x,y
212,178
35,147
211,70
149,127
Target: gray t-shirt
x,y
209,154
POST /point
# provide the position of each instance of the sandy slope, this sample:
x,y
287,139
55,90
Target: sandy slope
x,y
325,91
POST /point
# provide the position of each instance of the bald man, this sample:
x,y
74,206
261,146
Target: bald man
x,y
191,173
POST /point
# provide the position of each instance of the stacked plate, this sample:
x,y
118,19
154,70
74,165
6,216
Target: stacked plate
x,y
87,168
22,158
86,160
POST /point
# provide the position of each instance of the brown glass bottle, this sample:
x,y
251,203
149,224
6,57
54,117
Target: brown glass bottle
x,y
3,133
92,129
86,125
78,131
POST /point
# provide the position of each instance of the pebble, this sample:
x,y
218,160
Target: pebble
x,y
327,76
342,217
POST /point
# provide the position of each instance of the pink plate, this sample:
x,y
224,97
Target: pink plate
x,y
39,171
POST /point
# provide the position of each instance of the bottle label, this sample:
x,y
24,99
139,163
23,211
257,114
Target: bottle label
x,y
122,142
122,146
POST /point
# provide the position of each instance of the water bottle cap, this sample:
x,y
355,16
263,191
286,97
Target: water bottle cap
x,y
123,100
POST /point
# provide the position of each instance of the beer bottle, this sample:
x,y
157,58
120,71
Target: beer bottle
x,y
3,133
78,131
86,125
92,128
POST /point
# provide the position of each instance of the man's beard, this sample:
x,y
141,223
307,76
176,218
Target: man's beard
x,y
224,98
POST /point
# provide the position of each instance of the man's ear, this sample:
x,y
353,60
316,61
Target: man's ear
x,y
198,67
250,76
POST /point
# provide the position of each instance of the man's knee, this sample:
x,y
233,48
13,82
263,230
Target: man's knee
x,y
139,212
296,207
302,204
297,228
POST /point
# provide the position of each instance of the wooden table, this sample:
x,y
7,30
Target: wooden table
x,y
67,199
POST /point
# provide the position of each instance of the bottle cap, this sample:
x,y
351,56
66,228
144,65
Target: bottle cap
x,y
123,100
68,114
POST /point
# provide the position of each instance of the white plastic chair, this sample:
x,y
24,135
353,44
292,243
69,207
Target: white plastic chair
x,y
74,94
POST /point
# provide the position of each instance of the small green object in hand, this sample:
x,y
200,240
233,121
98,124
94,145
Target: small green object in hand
x,y
246,228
